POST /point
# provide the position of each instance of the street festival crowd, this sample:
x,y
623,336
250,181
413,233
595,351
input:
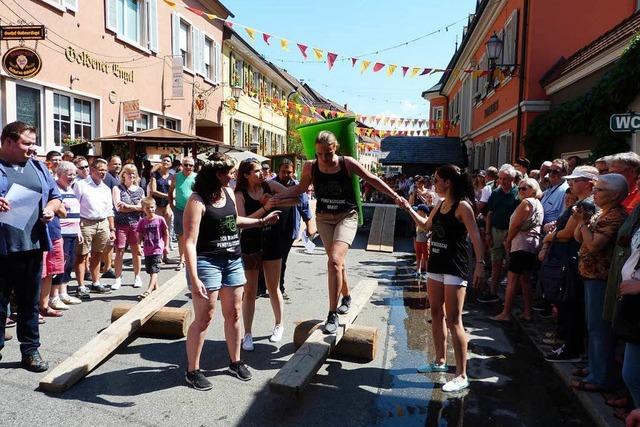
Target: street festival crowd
x,y
566,236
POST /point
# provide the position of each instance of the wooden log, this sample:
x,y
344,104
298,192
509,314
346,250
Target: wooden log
x,y
294,376
168,322
375,234
358,342
388,230
83,361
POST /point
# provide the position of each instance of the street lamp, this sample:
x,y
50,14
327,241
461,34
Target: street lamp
x,y
236,92
494,49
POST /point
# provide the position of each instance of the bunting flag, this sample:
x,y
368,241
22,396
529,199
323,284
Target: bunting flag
x,y
364,65
284,44
303,49
171,4
266,38
426,71
414,72
404,70
211,16
251,33
377,67
228,24
196,11
391,69
353,62
331,58
318,53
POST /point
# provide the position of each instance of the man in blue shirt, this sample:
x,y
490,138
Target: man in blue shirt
x,y
553,197
21,249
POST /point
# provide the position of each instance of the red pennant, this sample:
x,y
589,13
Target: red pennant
x,y
228,24
353,62
379,66
331,58
196,11
303,49
266,37
425,71
404,71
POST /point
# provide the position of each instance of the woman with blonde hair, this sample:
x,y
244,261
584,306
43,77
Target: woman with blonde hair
x,y
127,199
522,244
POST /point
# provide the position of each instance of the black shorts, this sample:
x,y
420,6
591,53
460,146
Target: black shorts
x,y
522,262
152,263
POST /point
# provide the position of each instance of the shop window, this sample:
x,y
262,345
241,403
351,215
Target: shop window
x,y
135,126
29,108
134,21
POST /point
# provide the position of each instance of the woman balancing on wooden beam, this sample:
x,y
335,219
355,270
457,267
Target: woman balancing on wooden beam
x,y
336,214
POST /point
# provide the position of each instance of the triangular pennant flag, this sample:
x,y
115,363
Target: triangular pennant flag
x,y
411,133
284,44
212,16
228,24
404,71
390,69
251,32
266,38
196,11
377,120
414,71
170,3
353,62
318,53
378,66
425,71
331,58
364,65
340,114
303,50
385,121
393,122
438,70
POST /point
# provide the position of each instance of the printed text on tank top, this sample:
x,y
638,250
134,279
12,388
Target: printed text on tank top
x,y
333,188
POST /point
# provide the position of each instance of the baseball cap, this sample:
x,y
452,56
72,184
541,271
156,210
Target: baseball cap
x,y
582,172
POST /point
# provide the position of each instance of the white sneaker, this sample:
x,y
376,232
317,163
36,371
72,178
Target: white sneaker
x,y
117,284
57,304
137,283
278,330
69,300
456,384
247,343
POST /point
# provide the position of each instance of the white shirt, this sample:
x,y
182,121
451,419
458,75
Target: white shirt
x,y
96,201
486,193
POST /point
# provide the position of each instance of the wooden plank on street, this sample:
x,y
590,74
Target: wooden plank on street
x,y
375,234
83,361
294,376
388,230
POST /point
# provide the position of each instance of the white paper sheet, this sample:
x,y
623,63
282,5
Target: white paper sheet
x,y
308,244
22,202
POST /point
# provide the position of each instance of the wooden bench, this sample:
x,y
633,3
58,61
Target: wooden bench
x,y
382,233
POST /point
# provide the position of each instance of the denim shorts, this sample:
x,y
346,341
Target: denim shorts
x,y
220,271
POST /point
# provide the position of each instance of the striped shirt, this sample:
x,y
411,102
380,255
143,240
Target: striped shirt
x,y
71,224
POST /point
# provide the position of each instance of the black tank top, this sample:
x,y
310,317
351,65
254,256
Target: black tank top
x,y
253,239
334,191
162,185
449,252
218,235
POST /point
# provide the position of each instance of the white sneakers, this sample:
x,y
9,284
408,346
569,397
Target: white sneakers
x,y
69,300
57,304
137,283
247,343
117,284
456,384
276,336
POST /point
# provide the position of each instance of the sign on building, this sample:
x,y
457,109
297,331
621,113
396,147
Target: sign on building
x,y
627,122
22,62
131,110
22,32
176,77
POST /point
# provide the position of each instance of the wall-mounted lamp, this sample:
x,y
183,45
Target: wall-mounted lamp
x,y
72,79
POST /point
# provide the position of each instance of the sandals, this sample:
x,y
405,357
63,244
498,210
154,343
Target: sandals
x,y
498,319
50,312
179,266
143,295
586,386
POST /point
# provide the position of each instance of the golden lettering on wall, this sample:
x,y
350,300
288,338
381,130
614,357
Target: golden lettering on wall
x,y
86,60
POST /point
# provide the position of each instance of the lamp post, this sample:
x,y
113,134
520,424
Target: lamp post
x,y
494,51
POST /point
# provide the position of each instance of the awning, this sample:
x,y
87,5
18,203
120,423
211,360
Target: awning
x,y
160,135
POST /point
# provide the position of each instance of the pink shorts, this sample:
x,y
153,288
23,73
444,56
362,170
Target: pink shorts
x,y
126,234
53,260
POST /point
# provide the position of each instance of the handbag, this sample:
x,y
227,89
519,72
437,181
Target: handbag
x,y
556,277
626,318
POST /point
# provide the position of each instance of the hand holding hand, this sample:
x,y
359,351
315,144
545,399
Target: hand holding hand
x,y
47,215
269,203
272,218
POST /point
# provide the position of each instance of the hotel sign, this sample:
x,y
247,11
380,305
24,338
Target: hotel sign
x,y
88,61
627,122
22,62
22,32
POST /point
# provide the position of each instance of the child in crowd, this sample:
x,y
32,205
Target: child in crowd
x,y
422,244
154,234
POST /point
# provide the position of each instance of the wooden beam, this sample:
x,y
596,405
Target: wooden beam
x,y
388,230
376,229
83,361
294,376
168,322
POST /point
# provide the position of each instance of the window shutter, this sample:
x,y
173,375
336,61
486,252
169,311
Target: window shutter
x,y
195,49
152,24
71,5
484,79
110,15
514,36
217,57
175,35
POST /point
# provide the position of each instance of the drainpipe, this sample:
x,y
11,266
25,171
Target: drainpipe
x,y
523,60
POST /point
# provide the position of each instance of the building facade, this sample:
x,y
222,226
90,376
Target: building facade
x,y
98,56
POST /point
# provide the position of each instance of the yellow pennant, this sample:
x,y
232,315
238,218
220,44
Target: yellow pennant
x,y
364,65
390,69
170,3
415,71
319,53
284,44
212,16
251,32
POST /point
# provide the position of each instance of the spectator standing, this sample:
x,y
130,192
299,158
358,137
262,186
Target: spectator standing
x,y
627,165
602,164
266,172
572,163
179,192
111,179
523,165
21,249
154,234
421,243
68,156
553,197
82,167
53,158
161,180
492,183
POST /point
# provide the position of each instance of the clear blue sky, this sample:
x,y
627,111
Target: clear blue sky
x,y
354,27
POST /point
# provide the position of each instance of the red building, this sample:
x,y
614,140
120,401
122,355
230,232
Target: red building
x,y
494,89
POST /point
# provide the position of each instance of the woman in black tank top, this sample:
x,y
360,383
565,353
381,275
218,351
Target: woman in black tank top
x,y
451,223
212,254
336,216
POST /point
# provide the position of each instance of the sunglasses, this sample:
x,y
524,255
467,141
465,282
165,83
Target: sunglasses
x,y
187,165
523,188
83,167
555,171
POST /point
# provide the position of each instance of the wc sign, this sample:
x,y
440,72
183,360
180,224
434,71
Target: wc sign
x,y
627,122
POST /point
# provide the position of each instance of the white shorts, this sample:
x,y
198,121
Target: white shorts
x,y
447,279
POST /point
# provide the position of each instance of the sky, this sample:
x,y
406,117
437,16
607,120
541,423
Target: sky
x,y
356,27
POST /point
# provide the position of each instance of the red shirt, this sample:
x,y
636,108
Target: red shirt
x,y
632,200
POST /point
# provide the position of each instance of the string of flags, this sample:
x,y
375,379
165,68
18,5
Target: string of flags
x,y
329,57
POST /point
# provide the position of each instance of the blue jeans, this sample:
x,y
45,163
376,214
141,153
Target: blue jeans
x,y
631,371
21,275
600,335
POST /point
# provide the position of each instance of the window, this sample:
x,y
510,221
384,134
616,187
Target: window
x,y
504,148
237,133
82,119
185,48
208,55
61,118
72,118
510,39
256,83
255,136
237,74
29,108
169,123
141,124
134,21
267,142
63,5
437,113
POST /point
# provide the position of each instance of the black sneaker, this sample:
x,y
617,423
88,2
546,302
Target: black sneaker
x,y
34,363
560,355
285,296
100,289
487,297
83,292
240,370
331,326
109,274
197,380
345,305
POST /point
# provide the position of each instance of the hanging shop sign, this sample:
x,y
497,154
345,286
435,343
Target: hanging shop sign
x,y
22,62
131,109
627,122
86,60
22,32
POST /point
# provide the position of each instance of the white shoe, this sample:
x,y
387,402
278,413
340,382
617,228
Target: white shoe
x,y
278,330
247,343
117,284
456,384
137,283
57,304
69,300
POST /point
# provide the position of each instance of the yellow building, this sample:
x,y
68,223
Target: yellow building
x,y
253,121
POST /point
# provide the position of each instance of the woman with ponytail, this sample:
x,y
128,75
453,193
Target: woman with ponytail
x,y
451,223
